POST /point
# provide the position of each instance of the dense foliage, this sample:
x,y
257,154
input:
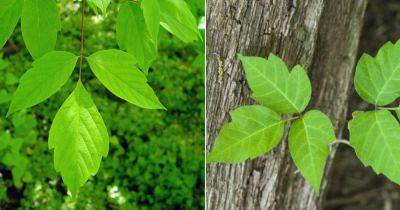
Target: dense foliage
x,y
155,159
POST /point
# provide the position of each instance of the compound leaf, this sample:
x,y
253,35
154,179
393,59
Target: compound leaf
x,y
151,13
10,12
99,4
274,86
375,136
376,79
133,37
40,23
79,138
254,130
309,138
117,71
47,75
177,18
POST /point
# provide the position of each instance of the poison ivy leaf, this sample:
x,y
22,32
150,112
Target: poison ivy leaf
x,y
79,139
177,18
254,130
10,12
151,13
133,37
375,136
47,75
377,79
274,86
40,23
309,140
99,4
116,70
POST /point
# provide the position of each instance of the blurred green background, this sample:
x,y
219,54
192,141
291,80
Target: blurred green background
x,y
156,158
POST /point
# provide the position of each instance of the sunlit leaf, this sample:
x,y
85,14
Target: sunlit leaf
x,y
309,139
151,13
377,79
99,4
274,86
375,136
47,75
254,131
177,18
133,36
117,71
79,139
10,12
40,23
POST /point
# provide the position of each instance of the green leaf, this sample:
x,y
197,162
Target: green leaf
x,y
79,139
152,13
254,131
10,12
377,79
47,75
309,140
117,71
99,4
274,86
375,136
398,112
133,37
40,23
5,97
177,18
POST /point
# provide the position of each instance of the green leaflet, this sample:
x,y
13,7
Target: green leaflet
x,y
274,86
254,130
117,71
10,12
177,18
79,139
47,75
151,13
99,4
309,139
40,23
377,79
133,37
375,136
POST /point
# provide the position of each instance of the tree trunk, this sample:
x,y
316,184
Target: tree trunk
x,y
322,36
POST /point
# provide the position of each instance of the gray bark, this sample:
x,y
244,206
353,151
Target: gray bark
x,y
322,36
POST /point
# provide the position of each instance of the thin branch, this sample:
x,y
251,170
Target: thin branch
x,y
82,39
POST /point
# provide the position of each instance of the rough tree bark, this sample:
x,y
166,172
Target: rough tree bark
x,y
322,36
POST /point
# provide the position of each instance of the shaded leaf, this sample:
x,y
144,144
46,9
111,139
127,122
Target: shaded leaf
x,y
79,139
309,140
117,71
10,12
133,37
254,131
40,23
375,136
274,86
47,75
377,79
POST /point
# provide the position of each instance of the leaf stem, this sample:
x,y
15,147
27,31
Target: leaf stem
x,y
82,39
389,108
341,141
292,118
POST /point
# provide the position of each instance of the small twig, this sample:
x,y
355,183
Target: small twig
x,y
82,39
